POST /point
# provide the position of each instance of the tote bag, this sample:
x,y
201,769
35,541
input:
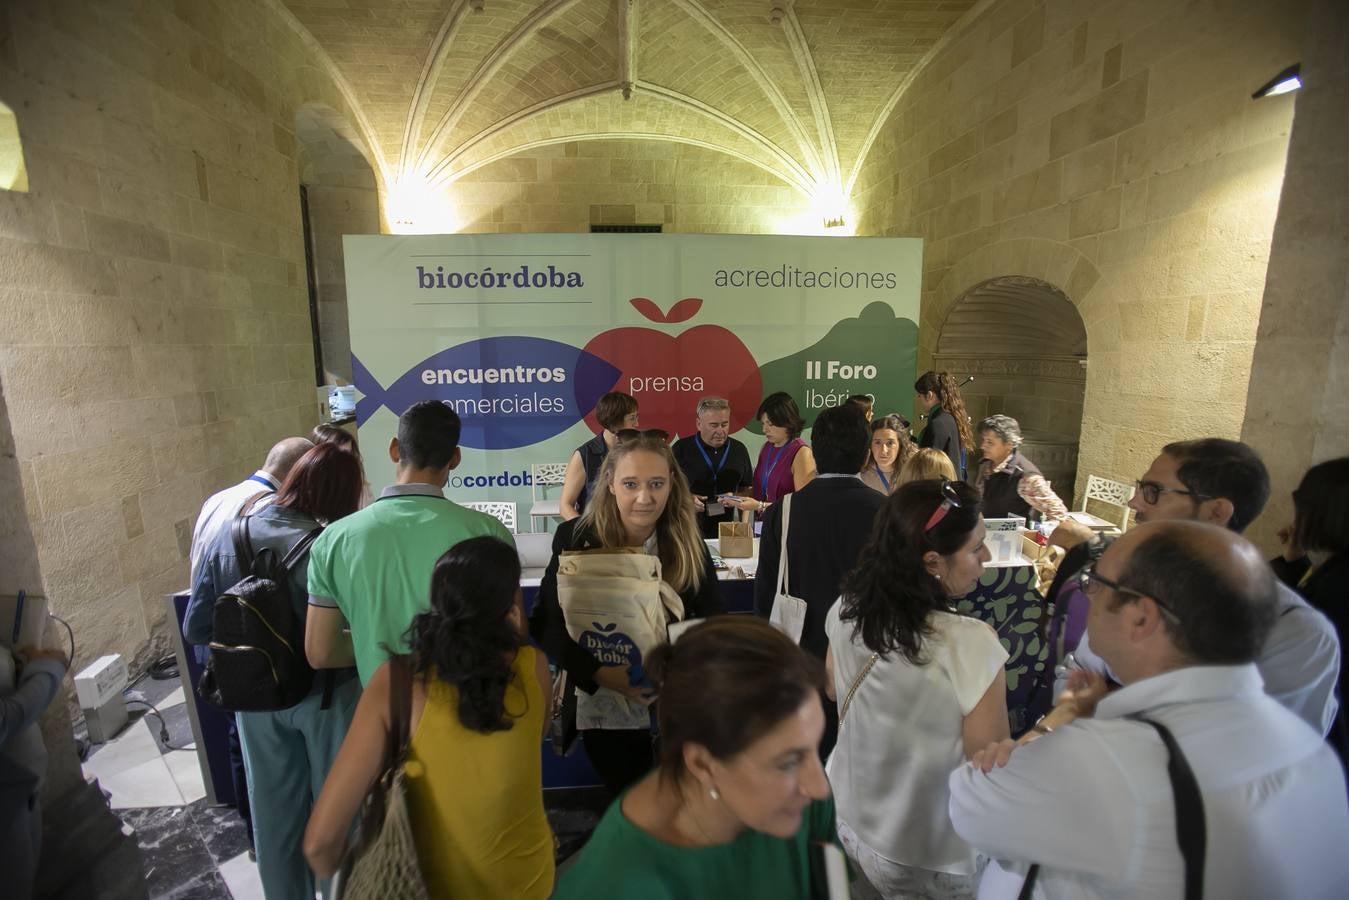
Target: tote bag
x,y
616,607
788,613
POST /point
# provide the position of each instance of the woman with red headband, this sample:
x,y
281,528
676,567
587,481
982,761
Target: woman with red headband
x,y
919,688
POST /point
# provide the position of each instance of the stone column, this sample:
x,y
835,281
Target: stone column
x,y
84,852
1297,406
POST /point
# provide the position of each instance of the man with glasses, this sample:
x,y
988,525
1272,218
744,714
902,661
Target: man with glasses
x,y
1223,483
1199,783
714,463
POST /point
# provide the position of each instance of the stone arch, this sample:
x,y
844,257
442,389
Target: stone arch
x,y
13,169
341,189
1054,281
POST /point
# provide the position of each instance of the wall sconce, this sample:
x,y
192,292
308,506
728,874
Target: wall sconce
x,y
1288,80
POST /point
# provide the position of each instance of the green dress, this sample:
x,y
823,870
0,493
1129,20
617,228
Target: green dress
x,y
622,861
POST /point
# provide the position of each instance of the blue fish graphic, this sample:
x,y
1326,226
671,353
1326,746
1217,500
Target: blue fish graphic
x,y
509,391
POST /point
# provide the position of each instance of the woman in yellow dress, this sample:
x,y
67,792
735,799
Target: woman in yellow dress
x,y
480,705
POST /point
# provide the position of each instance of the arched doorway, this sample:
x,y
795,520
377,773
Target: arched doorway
x,y
1025,344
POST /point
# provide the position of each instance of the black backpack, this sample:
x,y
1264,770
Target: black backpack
x,y
257,660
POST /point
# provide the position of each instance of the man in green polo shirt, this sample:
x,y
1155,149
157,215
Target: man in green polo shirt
x,y
371,572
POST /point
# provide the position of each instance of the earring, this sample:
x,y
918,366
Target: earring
x,y
714,793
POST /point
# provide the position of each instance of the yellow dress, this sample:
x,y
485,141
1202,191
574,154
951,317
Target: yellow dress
x,y
476,800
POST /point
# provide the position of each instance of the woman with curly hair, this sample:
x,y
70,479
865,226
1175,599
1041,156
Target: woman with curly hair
x,y
948,424
920,688
480,706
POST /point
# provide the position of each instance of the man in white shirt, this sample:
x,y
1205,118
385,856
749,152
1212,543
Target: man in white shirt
x,y
1225,483
216,513
222,506
1179,611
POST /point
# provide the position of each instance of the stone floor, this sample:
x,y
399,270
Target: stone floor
x,y
193,851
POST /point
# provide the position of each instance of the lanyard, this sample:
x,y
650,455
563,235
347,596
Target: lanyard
x,y
768,473
262,481
715,470
885,482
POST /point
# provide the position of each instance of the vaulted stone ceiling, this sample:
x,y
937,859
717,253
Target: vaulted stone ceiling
x,y
796,87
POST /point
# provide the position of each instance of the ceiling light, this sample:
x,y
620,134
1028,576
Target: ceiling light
x,y
1287,80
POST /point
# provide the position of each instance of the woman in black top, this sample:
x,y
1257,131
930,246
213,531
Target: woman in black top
x,y
948,425
643,500
1315,561
615,411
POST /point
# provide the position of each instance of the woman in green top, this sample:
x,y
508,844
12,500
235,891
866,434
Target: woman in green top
x,y
740,797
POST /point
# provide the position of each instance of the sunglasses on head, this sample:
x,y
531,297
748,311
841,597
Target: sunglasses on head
x,y
950,500
631,434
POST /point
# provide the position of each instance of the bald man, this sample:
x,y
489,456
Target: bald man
x,y
1094,800
216,513
223,506
1224,483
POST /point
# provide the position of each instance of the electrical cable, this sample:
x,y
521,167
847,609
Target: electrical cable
x,y
163,727
70,660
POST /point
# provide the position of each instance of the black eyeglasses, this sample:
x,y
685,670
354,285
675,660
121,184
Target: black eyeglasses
x,y
631,434
950,500
1152,492
1089,576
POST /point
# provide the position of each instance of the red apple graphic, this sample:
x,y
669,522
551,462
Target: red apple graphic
x,y
669,374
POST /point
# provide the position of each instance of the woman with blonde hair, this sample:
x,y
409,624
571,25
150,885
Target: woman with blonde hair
x,y
642,500
948,424
926,464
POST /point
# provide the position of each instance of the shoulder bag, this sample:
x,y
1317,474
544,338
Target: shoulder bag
x,y
382,861
788,613
1191,829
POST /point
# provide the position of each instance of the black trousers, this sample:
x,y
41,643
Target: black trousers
x,y
620,758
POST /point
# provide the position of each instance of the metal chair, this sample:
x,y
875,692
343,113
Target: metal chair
x,y
545,475
497,509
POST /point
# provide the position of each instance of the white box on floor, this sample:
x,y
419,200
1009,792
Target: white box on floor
x,y
103,678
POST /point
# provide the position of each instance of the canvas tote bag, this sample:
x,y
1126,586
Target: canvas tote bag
x,y
616,607
788,613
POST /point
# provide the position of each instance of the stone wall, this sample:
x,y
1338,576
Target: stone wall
x,y
155,333
1109,148
1299,392
571,186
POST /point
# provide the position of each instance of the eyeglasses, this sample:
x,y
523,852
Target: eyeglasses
x,y
1089,577
950,500
631,434
1152,492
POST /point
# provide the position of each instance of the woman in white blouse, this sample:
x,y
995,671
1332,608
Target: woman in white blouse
x,y
919,688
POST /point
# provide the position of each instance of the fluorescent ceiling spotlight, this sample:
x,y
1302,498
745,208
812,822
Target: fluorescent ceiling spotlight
x,y
1287,80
